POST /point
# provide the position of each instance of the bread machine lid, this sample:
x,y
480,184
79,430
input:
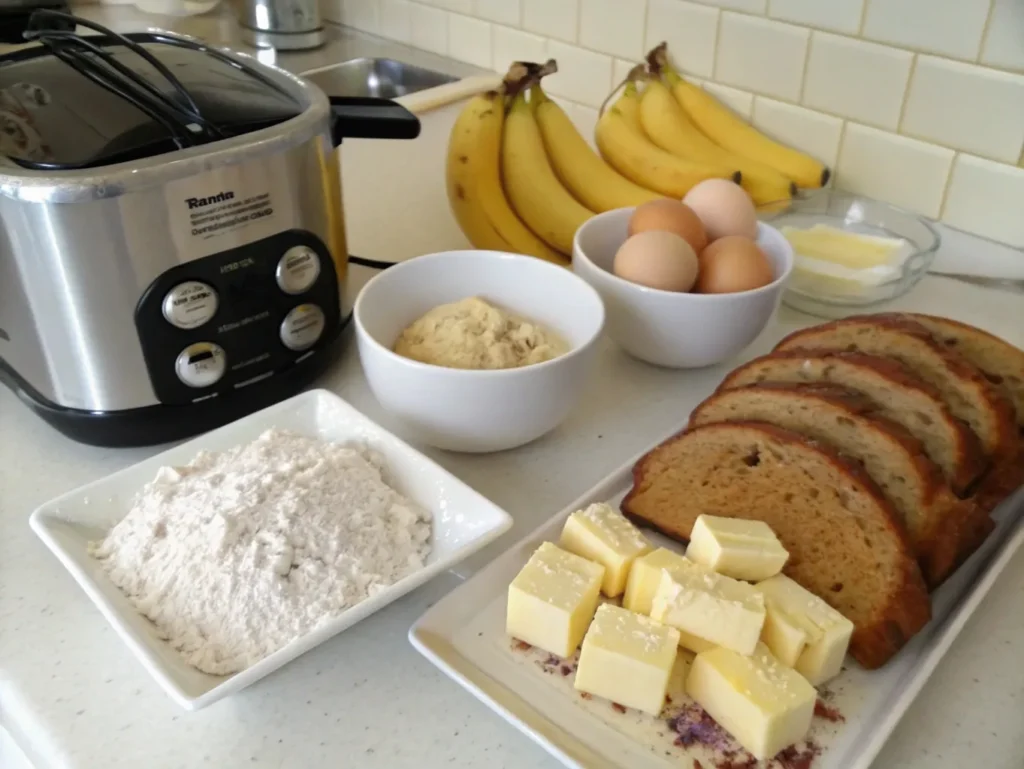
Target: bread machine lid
x,y
53,116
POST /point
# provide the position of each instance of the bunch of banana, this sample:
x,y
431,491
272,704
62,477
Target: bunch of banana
x,y
693,124
521,178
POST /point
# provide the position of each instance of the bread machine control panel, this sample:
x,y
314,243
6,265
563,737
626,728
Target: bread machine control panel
x,y
221,323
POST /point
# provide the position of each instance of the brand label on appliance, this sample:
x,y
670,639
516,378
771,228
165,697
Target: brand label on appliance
x,y
227,207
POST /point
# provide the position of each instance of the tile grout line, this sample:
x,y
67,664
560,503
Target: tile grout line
x,y
839,152
985,29
718,40
863,19
945,189
906,95
807,63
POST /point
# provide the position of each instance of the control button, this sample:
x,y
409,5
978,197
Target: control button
x,y
190,304
298,269
201,364
302,327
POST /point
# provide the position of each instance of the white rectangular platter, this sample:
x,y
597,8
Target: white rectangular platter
x,y
464,635
463,522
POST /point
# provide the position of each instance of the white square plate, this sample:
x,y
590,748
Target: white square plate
x,y
464,522
463,634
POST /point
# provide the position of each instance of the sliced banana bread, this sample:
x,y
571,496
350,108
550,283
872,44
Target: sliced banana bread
x,y
936,522
898,395
999,361
841,533
969,395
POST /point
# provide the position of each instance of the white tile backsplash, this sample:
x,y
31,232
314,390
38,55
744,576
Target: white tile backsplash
x,y
690,31
583,76
976,189
967,107
395,20
887,92
836,15
761,55
950,27
1004,42
816,134
469,40
429,28
902,171
511,45
747,6
552,18
740,102
856,79
615,27
501,11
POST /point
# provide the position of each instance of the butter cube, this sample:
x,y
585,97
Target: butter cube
x,y
708,609
803,631
602,534
627,658
645,576
552,600
765,705
736,547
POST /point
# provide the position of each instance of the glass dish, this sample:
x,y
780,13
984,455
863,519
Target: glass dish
x,y
813,294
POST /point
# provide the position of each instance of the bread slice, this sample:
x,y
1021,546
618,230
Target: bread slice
x,y
1000,362
844,543
966,391
898,395
936,522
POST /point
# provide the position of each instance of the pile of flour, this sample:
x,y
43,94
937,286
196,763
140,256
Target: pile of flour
x,y
238,553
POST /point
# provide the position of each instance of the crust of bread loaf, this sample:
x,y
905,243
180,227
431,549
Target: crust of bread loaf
x,y
905,609
937,544
971,460
1004,416
1013,355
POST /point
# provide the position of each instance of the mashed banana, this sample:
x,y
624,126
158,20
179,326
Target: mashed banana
x,y
473,334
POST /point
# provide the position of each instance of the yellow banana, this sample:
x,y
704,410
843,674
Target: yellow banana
x,y
589,178
666,125
724,128
532,187
474,182
622,143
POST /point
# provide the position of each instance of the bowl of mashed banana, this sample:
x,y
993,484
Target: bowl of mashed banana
x,y
477,351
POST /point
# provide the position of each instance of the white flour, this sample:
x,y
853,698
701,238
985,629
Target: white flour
x,y
238,553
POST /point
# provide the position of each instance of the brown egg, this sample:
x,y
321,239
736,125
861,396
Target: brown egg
x,y
731,264
670,216
724,208
657,259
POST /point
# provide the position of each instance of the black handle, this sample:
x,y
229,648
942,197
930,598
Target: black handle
x,y
362,117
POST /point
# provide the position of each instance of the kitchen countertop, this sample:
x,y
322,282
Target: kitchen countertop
x,y
73,696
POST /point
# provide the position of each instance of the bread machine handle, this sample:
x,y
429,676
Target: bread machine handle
x,y
361,117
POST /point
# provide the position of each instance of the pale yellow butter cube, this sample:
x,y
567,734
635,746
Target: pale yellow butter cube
x,y
803,631
602,534
708,609
645,576
765,705
552,600
627,658
736,547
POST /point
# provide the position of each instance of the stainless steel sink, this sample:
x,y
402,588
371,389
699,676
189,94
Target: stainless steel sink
x,y
384,78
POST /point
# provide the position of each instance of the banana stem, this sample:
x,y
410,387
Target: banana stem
x,y
537,95
634,75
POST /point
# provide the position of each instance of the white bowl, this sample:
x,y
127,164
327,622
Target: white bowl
x,y
674,329
463,523
477,411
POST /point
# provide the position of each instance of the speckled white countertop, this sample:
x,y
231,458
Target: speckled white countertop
x,y
72,695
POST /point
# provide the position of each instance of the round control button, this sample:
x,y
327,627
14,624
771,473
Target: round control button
x,y
302,327
298,270
190,304
201,364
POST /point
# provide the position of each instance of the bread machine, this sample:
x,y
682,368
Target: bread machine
x,y
172,244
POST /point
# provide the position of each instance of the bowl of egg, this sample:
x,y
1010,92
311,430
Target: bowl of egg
x,y
685,283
